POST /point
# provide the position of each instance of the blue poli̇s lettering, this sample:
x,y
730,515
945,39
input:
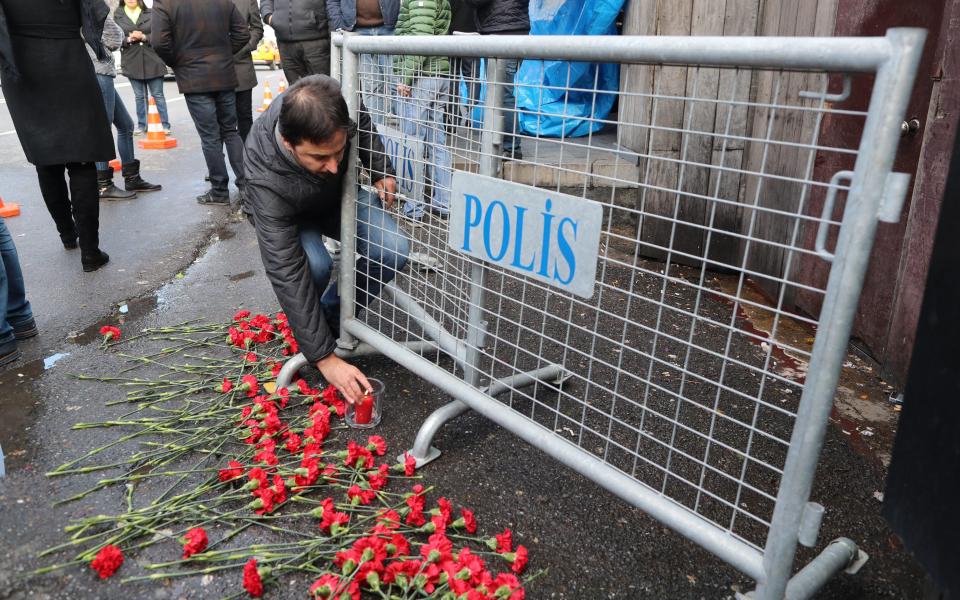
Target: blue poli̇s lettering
x,y
470,221
545,243
566,252
518,243
487,221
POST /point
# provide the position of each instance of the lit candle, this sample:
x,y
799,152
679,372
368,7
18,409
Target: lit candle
x,y
363,410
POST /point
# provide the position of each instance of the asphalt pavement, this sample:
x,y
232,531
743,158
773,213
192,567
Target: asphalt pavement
x,y
174,260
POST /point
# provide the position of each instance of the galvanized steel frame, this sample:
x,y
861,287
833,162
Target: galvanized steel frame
x,y
893,58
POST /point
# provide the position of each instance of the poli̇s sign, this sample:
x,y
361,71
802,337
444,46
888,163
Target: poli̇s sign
x,y
404,152
551,237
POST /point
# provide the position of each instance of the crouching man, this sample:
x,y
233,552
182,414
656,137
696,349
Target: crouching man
x,y
295,157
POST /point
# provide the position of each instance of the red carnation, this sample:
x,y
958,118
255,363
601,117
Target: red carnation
x,y
251,579
466,521
518,558
409,464
243,314
196,542
107,561
377,444
325,587
249,385
361,496
110,333
226,386
235,471
501,542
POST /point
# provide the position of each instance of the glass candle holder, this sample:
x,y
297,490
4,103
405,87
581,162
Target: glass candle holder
x,y
367,412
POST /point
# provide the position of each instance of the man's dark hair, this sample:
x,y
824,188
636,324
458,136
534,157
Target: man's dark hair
x,y
313,110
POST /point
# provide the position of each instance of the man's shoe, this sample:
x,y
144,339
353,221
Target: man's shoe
x,y
138,132
513,154
132,180
26,330
9,352
69,241
95,261
108,191
211,198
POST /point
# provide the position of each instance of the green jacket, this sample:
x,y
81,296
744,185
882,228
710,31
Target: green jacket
x,y
422,17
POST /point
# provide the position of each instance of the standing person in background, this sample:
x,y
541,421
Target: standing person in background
x,y
16,317
55,102
506,17
370,17
140,63
106,73
302,35
424,90
463,19
243,63
199,39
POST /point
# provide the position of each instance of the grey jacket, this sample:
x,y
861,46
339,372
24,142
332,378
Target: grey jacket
x,y
242,61
280,197
112,38
296,20
502,16
342,14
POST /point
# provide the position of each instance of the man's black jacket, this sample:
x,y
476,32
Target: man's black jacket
x,y
281,196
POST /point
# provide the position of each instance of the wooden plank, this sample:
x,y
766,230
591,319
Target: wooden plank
x,y
740,18
674,18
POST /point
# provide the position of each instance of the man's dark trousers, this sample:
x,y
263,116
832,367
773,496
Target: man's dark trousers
x,y
299,59
215,116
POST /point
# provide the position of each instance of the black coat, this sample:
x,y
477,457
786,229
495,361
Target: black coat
x,y
502,16
138,60
199,39
242,60
49,83
281,196
296,20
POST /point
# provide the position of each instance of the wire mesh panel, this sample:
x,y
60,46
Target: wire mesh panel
x,y
686,367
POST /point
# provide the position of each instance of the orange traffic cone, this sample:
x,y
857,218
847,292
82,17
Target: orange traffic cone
x,y
10,209
283,87
115,164
267,97
156,137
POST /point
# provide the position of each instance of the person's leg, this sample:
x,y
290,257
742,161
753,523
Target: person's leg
x,y
140,98
156,90
17,312
8,343
227,123
203,111
291,61
382,246
321,269
86,213
109,99
124,125
511,141
409,116
435,92
316,56
244,113
53,188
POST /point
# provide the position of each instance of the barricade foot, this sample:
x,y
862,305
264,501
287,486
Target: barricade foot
x,y
842,554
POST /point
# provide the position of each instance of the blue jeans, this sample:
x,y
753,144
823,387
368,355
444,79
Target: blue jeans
x,y
155,87
376,78
422,114
14,308
383,251
215,116
117,113
511,143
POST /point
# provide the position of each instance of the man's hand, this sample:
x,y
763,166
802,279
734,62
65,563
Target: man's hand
x,y
345,377
403,90
138,36
387,188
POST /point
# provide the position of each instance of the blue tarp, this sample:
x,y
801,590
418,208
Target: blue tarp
x,y
548,107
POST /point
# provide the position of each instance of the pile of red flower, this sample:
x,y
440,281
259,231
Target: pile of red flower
x,y
388,543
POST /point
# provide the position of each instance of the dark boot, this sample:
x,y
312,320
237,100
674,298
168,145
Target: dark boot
x,y
132,180
53,188
108,191
86,214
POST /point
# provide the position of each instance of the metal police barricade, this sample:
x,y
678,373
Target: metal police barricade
x,y
597,295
